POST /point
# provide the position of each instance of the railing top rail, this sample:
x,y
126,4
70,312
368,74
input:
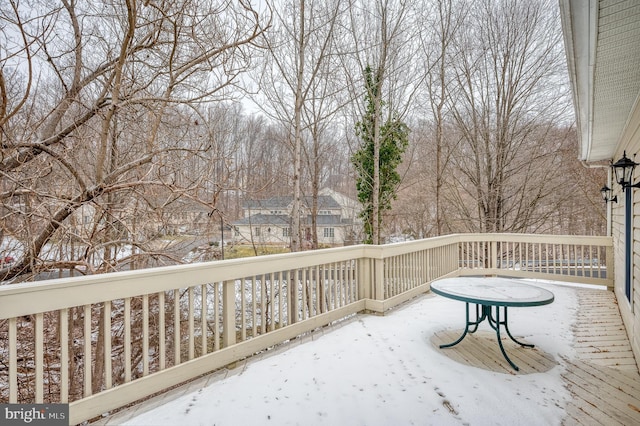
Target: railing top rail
x,y
540,238
77,291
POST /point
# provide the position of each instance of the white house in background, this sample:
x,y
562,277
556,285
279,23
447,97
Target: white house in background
x,y
602,42
268,221
350,208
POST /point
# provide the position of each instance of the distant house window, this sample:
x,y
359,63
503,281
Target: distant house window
x,y
256,231
86,219
286,232
329,232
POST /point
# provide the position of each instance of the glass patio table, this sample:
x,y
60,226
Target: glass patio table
x,y
487,293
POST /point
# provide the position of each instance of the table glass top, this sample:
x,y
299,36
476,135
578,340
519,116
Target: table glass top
x,y
492,291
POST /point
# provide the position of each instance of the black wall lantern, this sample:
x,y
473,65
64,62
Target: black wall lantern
x,y
606,195
623,170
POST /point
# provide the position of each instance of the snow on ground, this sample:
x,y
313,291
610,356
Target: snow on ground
x,y
384,370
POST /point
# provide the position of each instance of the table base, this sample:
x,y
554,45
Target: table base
x,y
495,323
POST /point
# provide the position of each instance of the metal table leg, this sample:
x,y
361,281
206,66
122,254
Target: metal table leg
x,y
495,323
473,324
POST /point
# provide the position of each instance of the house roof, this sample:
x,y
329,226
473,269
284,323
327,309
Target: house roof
x,y
264,219
324,202
603,58
284,220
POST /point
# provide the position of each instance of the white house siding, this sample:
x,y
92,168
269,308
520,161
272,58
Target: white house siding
x,y
630,310
269,234
603,58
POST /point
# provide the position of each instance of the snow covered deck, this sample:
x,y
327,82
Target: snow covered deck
x,y
102,342
389,370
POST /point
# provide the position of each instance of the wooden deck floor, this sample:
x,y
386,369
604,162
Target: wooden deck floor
x,y
603,378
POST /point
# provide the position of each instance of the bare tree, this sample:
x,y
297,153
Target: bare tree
x,y
295,83
93,116
511,95
444,20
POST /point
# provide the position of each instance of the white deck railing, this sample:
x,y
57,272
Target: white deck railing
x,y
160,327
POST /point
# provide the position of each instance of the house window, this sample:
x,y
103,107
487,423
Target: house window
x,y
329,232
286,232
256,231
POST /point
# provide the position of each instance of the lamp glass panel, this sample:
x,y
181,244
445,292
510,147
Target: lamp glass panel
x,y
621,174
623,169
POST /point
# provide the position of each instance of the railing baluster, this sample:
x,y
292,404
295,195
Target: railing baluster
x,y
203,320
13,360
546,258
107,343
87,350
404,274
294,285
348,282
254,319
339,283
191,321
321,289
519,258
263,305
63,330
408,285
162,332
396,271
346,288
145,335
305,305
216,316
39,359
332,289
272,301
318,292
281,296
243,310
127,339
176,328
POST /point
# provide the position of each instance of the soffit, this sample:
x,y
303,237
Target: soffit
x,y
616,76
602,41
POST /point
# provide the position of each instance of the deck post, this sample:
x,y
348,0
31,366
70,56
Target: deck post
x,y
378,278
610,265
